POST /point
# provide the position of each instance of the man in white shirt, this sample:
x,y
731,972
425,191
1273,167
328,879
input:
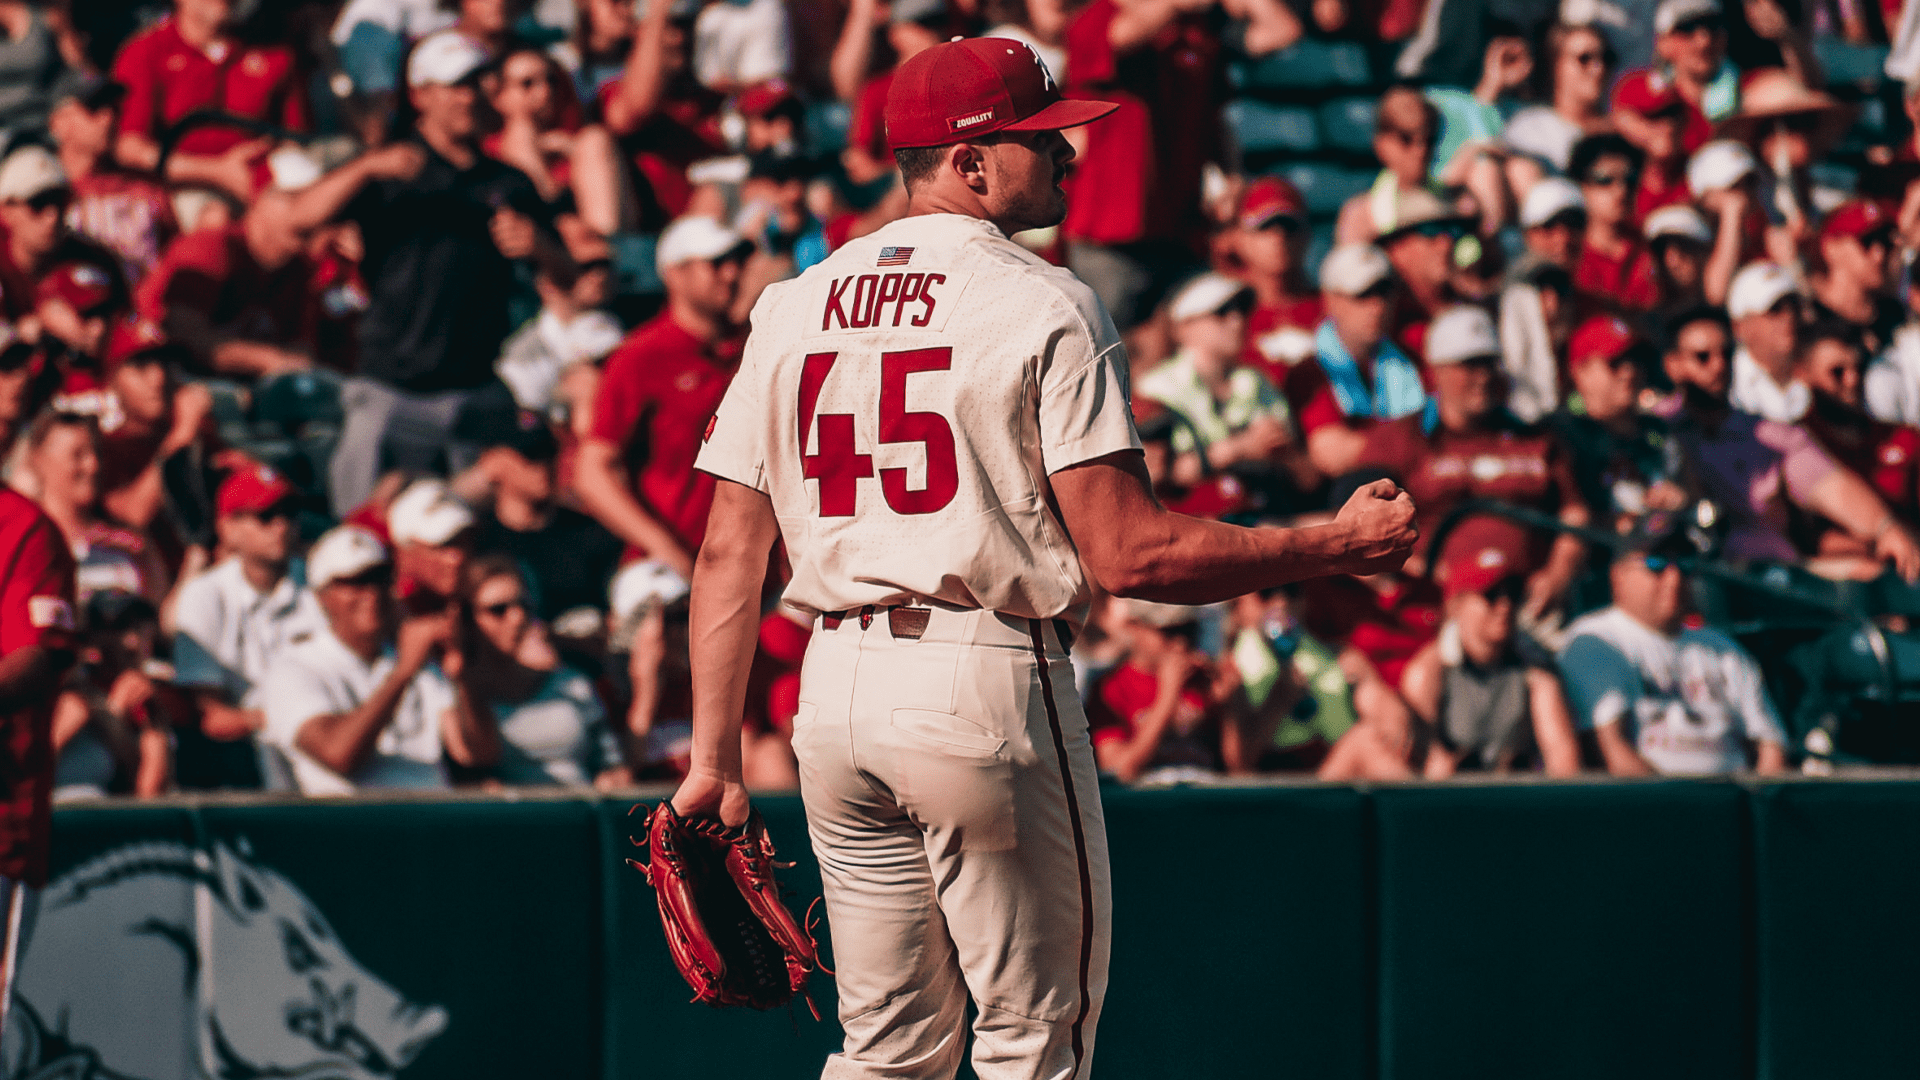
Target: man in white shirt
x,y
1764,304
356,705
1661,697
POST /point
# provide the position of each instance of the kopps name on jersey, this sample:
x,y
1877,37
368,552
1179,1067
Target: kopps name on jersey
x,y
871,301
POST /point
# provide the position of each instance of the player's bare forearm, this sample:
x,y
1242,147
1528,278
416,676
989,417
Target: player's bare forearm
x,y
724,622
1136,547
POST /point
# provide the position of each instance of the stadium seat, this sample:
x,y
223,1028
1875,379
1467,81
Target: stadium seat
x,y
827,124
290,402
1258,126
1847,63
1347,124
1326,186
1308,64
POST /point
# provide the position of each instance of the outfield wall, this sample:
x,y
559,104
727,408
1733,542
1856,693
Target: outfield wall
x,y
1647,930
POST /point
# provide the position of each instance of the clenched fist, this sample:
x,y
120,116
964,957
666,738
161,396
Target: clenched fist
x,y
1378,520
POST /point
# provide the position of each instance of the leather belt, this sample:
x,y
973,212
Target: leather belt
x,y
910,623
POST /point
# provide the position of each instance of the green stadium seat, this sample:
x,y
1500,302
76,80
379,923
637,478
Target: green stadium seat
x,y
1848,63
1326,186
1309,64
1347,124
827,124
1258,126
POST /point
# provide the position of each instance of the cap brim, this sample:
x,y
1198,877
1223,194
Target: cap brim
x,y
1065,113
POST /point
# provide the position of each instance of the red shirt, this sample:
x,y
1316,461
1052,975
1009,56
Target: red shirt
x,y
1128,692
129,215
36,608
1526,466
1655,196
1626,282
1267,321
1139,177
1386,620
660,388
868,131
166,79
209,280
1885,455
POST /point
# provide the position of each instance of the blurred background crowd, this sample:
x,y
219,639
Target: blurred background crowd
x,y
362,350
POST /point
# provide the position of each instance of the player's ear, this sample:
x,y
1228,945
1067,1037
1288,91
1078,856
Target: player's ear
x,y
969,162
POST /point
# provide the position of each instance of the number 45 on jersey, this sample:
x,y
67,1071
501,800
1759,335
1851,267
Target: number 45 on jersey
x,y
840,466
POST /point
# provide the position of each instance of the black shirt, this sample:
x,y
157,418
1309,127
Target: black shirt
x,y
1614,473
569,562
439,288
1888,314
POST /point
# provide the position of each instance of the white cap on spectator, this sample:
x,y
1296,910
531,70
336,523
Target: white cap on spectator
x,y
1672,13
445,59
1163,616
30,171
293,169
1204,295
1352,269
1682,221
695,237
644,584
427,513
1548,199
1461,333
1757,287
343,552
1718,165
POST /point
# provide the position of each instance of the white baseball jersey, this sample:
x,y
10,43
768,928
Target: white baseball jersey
x,y
903,402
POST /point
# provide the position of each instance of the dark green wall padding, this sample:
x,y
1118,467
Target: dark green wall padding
x,y
1685,929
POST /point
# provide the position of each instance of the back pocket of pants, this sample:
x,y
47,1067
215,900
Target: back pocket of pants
x,y
957,734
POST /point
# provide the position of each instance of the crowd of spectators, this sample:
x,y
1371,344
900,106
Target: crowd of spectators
x,y
361,350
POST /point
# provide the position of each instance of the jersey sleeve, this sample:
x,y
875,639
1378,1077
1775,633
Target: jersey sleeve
x,y
736,441
1601,684
1085,407
132,69
37,597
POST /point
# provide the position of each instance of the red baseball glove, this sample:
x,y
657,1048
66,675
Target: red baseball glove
x,y
732,938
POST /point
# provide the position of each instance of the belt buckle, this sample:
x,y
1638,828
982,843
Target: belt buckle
x,y
908,622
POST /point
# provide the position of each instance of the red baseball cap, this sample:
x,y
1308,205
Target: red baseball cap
x,y
131,337
1481,553
251,489
85,286
1602,337
959,89
1857,218
1646,93
1268,198
763,97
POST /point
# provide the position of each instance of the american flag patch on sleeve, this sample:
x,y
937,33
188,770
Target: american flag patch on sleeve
x,y
894,256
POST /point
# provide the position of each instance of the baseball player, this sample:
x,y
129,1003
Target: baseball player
x,y
936,422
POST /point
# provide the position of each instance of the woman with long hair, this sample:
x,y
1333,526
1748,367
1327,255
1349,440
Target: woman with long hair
x,y
1572,86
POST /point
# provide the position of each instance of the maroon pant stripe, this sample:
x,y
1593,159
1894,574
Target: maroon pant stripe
x,y
1079,844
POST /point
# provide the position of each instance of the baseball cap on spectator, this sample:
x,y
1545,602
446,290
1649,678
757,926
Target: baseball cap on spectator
x,y
1602,337
293,169
85,286
1672,13
1647,93
427,513
1548,199
251,489
763,98
1858,218
961,89
1757,287
446,58
1163,616
638,588
1207,294
1681,222
1352,269
1654,532
1459,334
1482,554
1719,164
1416,207
132,338
346,551
696,237
1269,199
30,172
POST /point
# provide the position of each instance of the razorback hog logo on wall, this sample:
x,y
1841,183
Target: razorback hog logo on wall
x,y
158,961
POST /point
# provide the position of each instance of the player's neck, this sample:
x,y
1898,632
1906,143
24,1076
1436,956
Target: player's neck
x,y
932,200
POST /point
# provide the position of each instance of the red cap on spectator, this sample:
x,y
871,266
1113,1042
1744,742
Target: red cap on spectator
x,y
250,490
1602,337
85,286
1857,218
1646,92
131,337
959,89
1268,198
764,97
1481,553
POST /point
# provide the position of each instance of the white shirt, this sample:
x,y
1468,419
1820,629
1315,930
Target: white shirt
x,y
1755,391
1543,134
228,633
741,43
558,736
1691,701
925,475
320,676
1892,380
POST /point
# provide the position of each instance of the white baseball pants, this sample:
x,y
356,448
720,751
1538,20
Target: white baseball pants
x,y
953,802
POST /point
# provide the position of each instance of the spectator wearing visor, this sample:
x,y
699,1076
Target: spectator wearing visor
x,y
233,622
1358,378
1764,305
359,705
1856,272
122,210
1489,693
635,471
1270,239
444,226
1615,267
1625,460
34,197
1659,695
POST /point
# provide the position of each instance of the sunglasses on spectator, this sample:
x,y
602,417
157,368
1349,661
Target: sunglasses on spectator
x,y
1695,26
1609,179
1408,139
1658,564
276,512
1786,305
499,610
377,578
1882,240
1284,224
1434,230
1589,59
590,265
50,200
1508,588
1701,356
1380,291
1574,221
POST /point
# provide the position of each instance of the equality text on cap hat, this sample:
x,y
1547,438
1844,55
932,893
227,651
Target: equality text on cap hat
x,y
960,90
